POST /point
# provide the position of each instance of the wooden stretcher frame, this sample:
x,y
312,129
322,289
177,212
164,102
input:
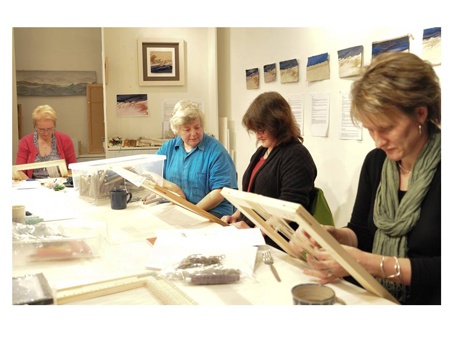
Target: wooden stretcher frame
x,y
61,164
154,187
272,215
176,199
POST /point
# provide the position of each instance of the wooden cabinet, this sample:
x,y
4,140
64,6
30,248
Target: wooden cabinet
x,y
96,118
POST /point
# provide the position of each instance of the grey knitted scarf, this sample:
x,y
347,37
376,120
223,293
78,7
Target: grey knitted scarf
x,y
395,220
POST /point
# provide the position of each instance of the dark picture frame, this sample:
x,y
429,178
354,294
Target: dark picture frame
x,y
161,62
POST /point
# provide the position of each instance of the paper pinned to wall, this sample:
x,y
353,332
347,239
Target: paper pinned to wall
x,y
320,114
348,130
296,102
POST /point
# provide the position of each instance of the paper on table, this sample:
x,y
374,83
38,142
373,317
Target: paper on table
x,y
238,245
27,185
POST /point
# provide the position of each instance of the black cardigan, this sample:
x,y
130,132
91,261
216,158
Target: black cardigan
x,y
424,240
288,174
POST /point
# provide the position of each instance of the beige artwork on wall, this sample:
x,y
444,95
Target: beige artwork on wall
x,y
289,71
318,68
270,73
252,78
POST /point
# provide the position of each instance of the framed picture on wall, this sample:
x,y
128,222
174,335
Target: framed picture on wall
x,y
161,62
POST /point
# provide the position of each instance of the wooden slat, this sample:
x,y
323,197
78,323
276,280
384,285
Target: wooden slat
x,y
293,212
61,164
176,199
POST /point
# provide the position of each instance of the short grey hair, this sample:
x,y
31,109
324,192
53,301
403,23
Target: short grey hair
x,y
185,112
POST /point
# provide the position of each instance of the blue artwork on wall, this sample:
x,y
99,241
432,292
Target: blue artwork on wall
x,y
395,45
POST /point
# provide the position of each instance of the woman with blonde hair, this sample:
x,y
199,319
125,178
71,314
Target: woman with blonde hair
x,y
395,228
44,144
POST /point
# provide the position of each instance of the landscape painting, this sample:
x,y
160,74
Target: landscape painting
x,y
394,45
289,71
431,44
270,73
161,63
318,68
350,61
252,78
53,83
132,105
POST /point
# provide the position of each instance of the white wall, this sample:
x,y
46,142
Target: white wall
x,y
338,161
121,47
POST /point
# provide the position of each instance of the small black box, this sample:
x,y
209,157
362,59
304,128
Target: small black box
x,y
31,289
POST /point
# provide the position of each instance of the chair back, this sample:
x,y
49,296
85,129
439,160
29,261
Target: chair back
x,y
320,208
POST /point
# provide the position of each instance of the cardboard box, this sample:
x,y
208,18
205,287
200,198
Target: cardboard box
x,y
95,179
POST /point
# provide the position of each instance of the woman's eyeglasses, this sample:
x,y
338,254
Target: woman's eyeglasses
x,y
44,130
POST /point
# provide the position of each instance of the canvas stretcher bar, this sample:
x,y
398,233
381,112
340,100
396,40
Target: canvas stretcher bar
x,y
148,184
272,215
176,199
61,164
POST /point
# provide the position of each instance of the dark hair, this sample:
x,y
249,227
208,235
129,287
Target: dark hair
x,y
271,112
397,81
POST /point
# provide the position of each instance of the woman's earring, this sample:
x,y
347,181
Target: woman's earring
x,y
420,129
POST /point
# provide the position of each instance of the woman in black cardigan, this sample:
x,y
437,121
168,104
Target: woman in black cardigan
x,y
281,167
395,228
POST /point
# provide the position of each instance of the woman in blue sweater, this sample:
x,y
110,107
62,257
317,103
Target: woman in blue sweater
x,y
197,165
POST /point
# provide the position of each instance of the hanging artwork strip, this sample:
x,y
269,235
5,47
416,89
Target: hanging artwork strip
x,y
252,78
289,71
53,83
350,61
270,73
318,68
394,45
132,105
431,45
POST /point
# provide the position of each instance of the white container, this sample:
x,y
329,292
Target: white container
x,y
95,179
58,240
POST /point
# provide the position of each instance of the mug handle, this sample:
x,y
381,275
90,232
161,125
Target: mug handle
x,y
129,197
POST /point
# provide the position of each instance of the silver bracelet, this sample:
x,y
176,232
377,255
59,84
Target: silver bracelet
x,y
396,267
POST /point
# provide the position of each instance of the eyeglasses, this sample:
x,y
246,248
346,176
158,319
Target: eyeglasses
x,y
44,130
260,132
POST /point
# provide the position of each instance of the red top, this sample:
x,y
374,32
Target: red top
x,y
27,151
254,171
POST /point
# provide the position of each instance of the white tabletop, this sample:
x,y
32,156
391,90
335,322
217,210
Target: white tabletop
x,y
126,252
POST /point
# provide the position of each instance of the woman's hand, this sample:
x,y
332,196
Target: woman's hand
x,y
151,198
324,266
233,218
240,225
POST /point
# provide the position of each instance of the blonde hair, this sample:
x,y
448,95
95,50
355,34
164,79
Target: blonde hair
x,y
44,112
397,82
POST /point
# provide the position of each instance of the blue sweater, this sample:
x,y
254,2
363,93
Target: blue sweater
x,y
205,168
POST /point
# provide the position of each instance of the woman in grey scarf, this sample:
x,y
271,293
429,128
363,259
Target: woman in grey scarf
x,y
395,228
